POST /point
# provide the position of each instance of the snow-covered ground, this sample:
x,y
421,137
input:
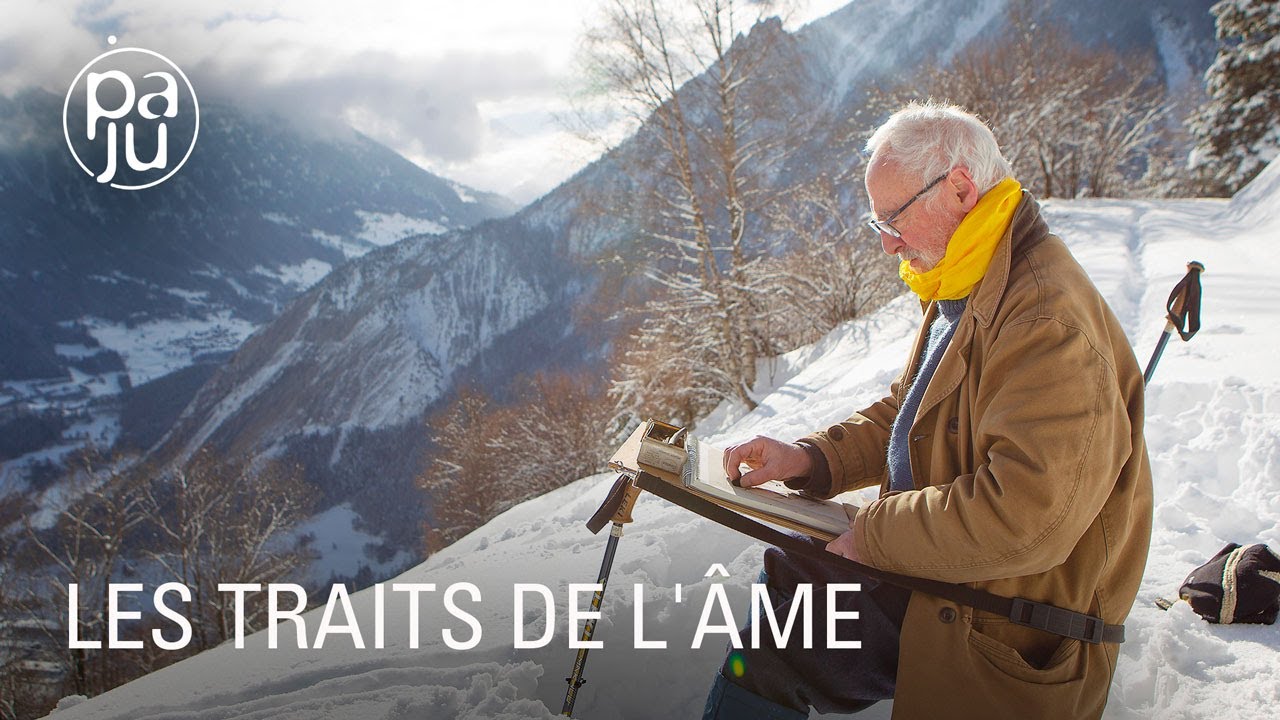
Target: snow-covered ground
x,y
158,347
301,276
344,548
386,228
1213,428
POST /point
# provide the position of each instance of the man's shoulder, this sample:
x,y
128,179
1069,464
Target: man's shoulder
x,y
1047,282
1048,289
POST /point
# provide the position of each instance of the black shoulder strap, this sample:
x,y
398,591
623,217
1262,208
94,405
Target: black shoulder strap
x,y
1041,616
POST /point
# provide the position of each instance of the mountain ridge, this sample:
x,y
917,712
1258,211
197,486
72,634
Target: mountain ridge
x,y
103,290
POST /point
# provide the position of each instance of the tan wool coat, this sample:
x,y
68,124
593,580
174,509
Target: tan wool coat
x,y
1031,480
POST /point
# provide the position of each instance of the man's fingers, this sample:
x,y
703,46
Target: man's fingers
x,y
732,459
752,478
737,455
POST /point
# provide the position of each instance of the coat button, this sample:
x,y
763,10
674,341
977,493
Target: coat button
x,y
835,432
953,425
947,615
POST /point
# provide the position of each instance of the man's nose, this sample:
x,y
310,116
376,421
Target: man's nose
x,y
890,244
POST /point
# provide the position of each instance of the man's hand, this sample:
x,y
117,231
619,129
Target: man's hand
x,y
844,547
768,459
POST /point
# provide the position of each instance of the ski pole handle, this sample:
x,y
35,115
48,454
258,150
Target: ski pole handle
x,y
1183,305
1182,314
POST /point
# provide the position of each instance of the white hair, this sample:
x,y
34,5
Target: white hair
x,y
931,138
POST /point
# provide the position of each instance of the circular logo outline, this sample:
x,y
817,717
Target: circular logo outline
x,y
66,106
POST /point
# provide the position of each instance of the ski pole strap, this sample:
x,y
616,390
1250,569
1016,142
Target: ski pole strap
x,y
1184,302
611,506
1020,611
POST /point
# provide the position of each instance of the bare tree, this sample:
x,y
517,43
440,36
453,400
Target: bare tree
x,y
1074,121
25,691
466,480
836,272
211,522
219,521
649,375
561,429
489,457
100,507
684,71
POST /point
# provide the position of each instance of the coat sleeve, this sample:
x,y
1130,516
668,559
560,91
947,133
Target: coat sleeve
x,y
1052,434
856,448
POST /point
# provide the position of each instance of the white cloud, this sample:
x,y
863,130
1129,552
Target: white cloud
x,y
470,90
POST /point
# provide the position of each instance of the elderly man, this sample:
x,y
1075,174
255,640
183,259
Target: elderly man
x,y
1009,455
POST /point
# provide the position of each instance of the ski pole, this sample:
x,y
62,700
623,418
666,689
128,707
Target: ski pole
x,y
616,507
1183,314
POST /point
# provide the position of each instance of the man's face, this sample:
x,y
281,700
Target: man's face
x,y
925,229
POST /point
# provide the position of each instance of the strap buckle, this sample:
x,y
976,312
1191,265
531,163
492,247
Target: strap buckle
x,y
1056,620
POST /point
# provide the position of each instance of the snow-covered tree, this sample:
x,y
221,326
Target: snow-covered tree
x,y
694,74
1238,129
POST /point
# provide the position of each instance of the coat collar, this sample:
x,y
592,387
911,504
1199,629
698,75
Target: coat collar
x,y
1026,230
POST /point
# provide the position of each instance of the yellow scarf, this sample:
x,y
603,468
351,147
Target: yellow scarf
x,y
970,248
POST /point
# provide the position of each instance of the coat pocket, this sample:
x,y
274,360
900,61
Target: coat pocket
x,y
1066,664
975,670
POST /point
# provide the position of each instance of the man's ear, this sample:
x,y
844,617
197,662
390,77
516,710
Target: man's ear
x,y
965,189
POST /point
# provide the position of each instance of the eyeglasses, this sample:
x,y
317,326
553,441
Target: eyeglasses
x,y
886,226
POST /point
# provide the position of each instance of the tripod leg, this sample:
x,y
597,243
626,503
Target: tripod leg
x,y
576,680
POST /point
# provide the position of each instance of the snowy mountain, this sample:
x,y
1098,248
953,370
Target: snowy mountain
x,y
103,291
1213,431
340,382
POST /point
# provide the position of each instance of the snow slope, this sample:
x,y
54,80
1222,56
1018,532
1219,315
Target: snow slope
x,y
1214,436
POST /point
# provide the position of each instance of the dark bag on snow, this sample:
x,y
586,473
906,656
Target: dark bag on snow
x,y
1239,585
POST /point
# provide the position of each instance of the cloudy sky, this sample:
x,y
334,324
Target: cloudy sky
x,y
475,91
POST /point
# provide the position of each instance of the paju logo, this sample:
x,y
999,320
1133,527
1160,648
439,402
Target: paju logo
x,y
106,93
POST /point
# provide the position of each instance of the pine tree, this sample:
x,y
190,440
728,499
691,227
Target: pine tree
x,y
1238,130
